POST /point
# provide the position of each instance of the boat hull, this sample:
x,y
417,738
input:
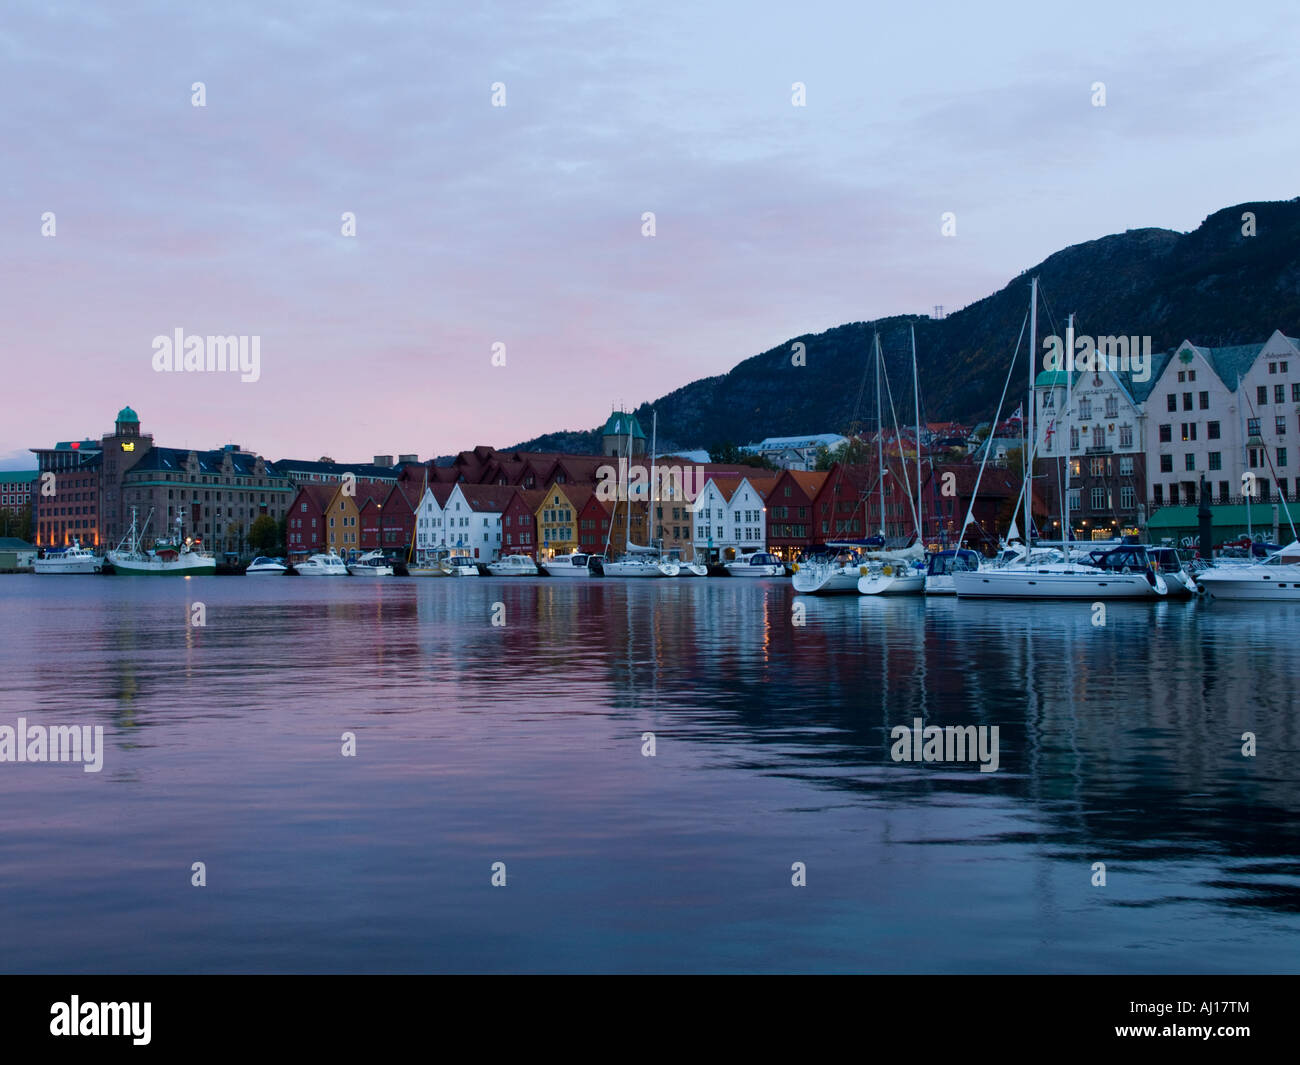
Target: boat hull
x,y
181,567
1256,585
892,584
632,570
502,569
745,570
1055,584
842,580
79,565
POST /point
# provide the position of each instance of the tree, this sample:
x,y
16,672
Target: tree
x,y
264,535
853,452
731,455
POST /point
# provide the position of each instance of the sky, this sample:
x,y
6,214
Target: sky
x,y
522,225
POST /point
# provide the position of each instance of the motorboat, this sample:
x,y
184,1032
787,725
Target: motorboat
x,y
459,566
262,564
756,564
323,565
74,559
574,564
1276,578
941,565
513,566
371,564
1122,573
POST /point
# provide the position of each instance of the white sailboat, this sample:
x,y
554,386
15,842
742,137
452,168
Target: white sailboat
x,y
1122,573
899,576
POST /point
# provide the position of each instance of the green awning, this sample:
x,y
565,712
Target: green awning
x,y
1224,516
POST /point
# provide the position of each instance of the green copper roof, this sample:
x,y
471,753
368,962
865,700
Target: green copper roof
x,y
1050,379
126,414
618,425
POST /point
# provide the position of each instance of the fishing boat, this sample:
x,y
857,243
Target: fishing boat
x,y
371,564
269,566
941,565
74,559
1276,578
513,566
178,557
756,564
459,566
574,564
328,564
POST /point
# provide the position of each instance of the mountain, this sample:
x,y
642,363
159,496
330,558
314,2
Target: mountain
x,y
1215,286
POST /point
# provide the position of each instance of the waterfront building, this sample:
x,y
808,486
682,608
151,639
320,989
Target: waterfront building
x,y
557,517
305,523
16,553
430,519
595,522
70,511
519,522
477,510
343,517
790,522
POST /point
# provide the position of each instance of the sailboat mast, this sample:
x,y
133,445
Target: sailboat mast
x,y
654,455
1069,403
916,396
1029,438
627,528
1245,453
880,443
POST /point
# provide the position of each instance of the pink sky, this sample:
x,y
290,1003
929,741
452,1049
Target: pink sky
x,y
522,224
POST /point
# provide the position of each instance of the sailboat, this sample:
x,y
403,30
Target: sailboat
x,y
1125,572
177,557
898,576
636,560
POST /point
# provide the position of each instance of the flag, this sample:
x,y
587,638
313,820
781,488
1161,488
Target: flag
x,y
1019,412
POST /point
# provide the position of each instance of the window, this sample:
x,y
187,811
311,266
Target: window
x,y
1127,497
1099,498
1216,460
1191,375
1295,392
1173,494
1281,456
1272,367
1189,430
1187,401
1181,377
1212,431
1085,408
1158,493
1076,499
1074,439
1189,461
1097,467
1171,402
1098,436
1279,393
1223,491
1205,401
1166,434
1126,436
1252,427
1261,395
1112,407
1166,464
1279,425
1126,465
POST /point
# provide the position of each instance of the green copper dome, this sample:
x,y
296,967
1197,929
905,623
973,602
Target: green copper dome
x,y
126,414
618,424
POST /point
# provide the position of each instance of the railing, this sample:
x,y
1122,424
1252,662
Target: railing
x,y
1230,501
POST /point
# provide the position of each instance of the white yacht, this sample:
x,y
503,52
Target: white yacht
x,y
1174,571
640,565
371,564
459,566
269,566
74,559
513,566
326,565
575,564
1276,578
1121,573
757,564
